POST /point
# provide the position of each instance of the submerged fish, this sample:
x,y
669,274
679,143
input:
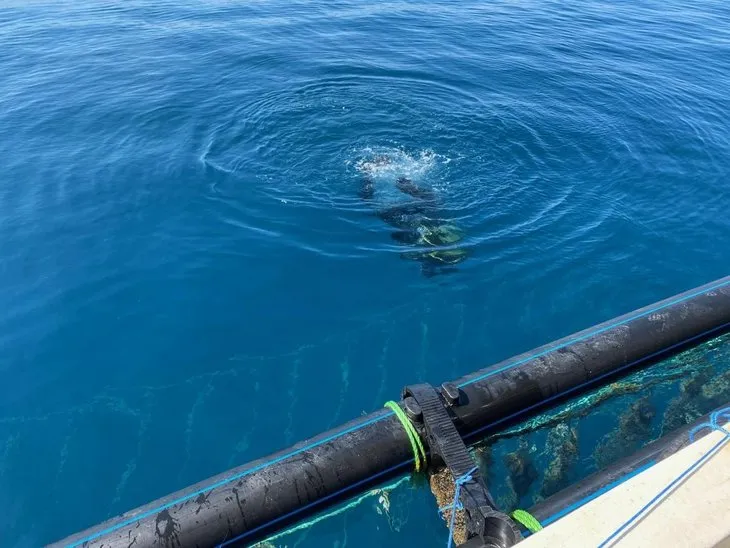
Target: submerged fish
x,y
414,213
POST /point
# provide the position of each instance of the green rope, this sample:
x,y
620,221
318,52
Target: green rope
x,y
524,517
419,453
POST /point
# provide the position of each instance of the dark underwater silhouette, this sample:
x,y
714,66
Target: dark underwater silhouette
x,y
420,226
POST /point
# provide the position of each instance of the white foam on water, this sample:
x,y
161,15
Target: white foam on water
x,y
389,162
386,164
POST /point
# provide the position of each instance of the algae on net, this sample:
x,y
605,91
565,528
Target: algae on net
x,y
606,424
634,428
562,446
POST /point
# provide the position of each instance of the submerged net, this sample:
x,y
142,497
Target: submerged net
x,y
544,454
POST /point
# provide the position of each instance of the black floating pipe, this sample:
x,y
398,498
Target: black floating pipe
x,y
573,497
248,503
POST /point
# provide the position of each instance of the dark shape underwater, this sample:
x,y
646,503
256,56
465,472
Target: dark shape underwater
x,y
419,225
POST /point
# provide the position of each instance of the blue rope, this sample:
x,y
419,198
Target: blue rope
x,y
723,413
456,505
714,417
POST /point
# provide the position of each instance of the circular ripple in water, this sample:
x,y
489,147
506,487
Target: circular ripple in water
x,y
507,170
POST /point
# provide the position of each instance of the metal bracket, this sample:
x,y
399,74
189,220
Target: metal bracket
x,y
486,526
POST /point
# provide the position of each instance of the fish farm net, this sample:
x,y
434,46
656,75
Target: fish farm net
x,y
537,457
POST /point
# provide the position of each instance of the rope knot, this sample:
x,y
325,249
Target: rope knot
x,y
456,505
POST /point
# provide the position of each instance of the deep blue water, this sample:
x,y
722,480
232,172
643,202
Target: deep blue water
x,y
189,278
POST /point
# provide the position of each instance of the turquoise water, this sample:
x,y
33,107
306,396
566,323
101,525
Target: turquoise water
x,y
190,278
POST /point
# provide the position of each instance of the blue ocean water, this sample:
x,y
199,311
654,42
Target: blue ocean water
x,y
189,278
